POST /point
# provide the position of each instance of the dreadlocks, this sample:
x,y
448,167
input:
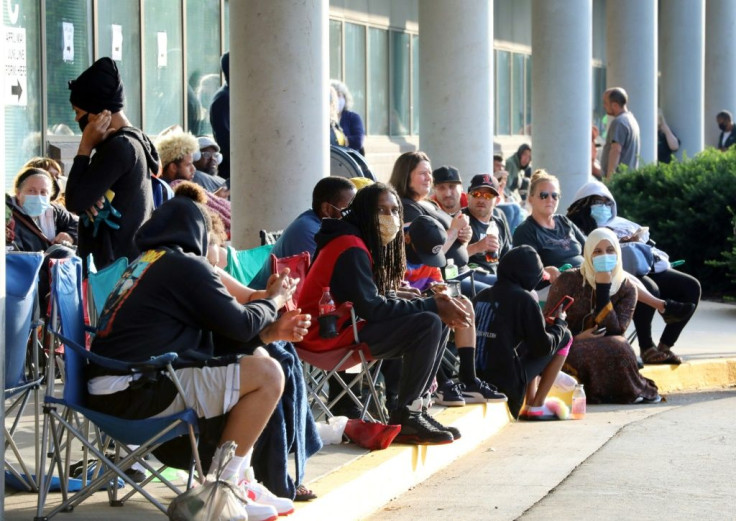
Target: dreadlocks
x,y
579,213
389,262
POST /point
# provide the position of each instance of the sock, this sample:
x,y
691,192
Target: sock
x,y
246,471
467,364
416,405
232,468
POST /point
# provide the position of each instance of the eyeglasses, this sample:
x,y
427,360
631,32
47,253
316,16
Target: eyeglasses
x,y
545,195
482,195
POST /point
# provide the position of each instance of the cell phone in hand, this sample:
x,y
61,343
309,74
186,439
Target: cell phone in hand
x,y
600,330
564,303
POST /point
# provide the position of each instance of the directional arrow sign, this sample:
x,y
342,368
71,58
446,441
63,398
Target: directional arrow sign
x,y
14,70
16,90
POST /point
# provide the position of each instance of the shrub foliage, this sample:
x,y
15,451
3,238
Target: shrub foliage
x,y
688,206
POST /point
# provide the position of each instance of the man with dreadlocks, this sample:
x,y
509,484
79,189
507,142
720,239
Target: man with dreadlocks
x,y
361,259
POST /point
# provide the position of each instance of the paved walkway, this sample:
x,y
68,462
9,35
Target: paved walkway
x,y
352,483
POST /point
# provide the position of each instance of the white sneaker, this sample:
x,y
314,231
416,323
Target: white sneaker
x,y
259,512
258,493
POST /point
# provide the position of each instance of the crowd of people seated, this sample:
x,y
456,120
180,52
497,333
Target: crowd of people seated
x,y
382,247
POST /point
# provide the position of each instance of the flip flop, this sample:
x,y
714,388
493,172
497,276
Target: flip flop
x,y
304,494
653,356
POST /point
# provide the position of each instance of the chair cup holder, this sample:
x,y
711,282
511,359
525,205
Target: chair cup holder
x,y
328,326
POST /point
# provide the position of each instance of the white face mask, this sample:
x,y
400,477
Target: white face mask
x,y
340,104
389,227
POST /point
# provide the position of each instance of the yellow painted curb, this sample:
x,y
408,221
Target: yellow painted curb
x,y
697,375
366,484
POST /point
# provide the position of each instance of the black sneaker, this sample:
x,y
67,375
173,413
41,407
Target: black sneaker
x,y
416,430
677,311
437,425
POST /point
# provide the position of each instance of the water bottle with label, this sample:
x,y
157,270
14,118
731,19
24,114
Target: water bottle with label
x,y
492,256
578,402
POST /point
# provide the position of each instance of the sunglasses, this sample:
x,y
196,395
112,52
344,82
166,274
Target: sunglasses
x,y
545,195
482,195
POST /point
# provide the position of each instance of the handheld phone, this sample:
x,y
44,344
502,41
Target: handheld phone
x,y
564,303
600,330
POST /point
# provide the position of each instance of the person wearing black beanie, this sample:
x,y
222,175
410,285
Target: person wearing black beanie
x,y
111,190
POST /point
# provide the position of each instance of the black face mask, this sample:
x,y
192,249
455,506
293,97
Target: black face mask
x,y
723,126
83,121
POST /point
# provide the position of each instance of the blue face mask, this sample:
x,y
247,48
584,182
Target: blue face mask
x,y
602,213
35,205
605,262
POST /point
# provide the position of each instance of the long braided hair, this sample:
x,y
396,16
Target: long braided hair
x,y
389,262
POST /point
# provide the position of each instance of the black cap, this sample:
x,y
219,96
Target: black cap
x,y
484,181
427,238
98,88
446,174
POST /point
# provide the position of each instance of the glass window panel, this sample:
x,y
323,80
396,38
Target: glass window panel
x,y
528,92
68,48
162,65
400,77
503,93
22,130
127,54
336,49
355,65
203,62
599,85
415,85
226,24
517,94
378,81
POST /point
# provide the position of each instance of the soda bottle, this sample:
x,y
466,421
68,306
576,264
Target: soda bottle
x,y
492,256
326,304
578,402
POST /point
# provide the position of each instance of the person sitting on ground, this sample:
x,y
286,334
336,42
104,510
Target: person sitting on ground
x,y
350,122
150,312
558,242
206,162
448,190
520,170
594,206
516,350
412,179
361,259
600,357
424,239
113,186
176,149
486,248
330,197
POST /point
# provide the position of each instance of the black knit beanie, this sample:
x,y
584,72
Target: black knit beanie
x,y
98,88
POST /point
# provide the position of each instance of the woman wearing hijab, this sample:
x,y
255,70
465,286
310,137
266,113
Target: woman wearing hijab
x,y
595,206
600,356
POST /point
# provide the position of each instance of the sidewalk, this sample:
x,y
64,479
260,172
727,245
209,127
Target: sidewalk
x,y
354,483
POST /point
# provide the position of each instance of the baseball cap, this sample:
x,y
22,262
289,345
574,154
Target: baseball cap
x,y
206,141
446,174
483,181
427,239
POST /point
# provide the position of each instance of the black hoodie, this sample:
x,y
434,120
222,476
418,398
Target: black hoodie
x,y
170,298
510,327
122,163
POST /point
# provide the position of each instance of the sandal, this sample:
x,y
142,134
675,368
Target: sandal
x,y
304,494
653,356
672,358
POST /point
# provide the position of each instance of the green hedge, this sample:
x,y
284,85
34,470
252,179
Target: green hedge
x,y
688,206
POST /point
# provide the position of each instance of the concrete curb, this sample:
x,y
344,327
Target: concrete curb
x,y
362,486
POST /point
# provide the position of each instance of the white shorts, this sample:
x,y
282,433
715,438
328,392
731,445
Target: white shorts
x,y
210,391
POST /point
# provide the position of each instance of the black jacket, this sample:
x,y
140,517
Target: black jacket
x,y
122,163
28,235
510,327
170,298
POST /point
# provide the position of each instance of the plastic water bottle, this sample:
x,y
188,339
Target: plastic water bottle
x,y
578,402
492,256
450,269
326,304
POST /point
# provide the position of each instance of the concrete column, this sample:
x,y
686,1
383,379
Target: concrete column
x,y
562,47
720,65
682,58
631,63
279,112
456,84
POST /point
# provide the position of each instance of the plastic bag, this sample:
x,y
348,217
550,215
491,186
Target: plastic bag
x,y
216,500
330,432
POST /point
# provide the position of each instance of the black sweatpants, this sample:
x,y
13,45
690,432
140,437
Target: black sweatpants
x,y
418,340
669,284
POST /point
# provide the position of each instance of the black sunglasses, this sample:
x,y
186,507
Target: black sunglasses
x,y
545,195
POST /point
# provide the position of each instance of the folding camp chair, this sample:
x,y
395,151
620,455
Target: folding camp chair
x,y
60,423
326,365
100,284
270,237
22,379
244,265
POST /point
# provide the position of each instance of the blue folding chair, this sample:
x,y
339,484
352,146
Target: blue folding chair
x,y
67,324
22,379
100,285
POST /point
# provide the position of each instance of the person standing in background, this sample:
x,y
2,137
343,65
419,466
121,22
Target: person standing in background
x,y
351,122
622,140
667,141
